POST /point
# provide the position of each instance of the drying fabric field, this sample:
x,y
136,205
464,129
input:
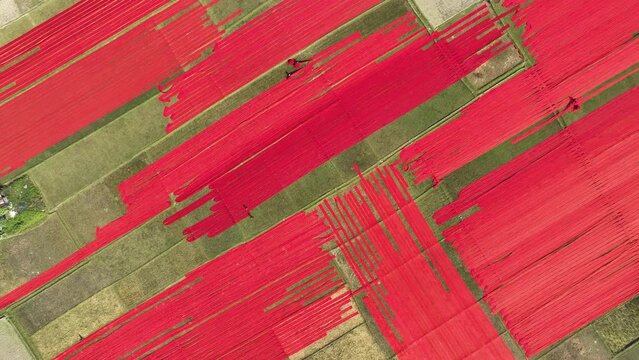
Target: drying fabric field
x,y
328,179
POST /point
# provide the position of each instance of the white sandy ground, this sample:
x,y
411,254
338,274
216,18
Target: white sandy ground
x,y
438,11
11,347
9,11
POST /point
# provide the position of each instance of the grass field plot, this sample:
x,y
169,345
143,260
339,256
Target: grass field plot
x,y
26,255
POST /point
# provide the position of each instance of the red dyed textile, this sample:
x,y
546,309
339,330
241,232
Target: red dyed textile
x,y
325,108
577,45
98,84
287,131
413,291
263,43
266,299
554,242
65,36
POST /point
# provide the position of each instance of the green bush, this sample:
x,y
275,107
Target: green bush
x,y
27,202
22,221
23,195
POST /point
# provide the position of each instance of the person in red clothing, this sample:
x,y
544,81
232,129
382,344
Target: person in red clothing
x,y
248,212
573,104
296,64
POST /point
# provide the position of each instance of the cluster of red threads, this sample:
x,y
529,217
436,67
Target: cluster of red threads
x,y
44,102
412,290
266,299
554,243
577,45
